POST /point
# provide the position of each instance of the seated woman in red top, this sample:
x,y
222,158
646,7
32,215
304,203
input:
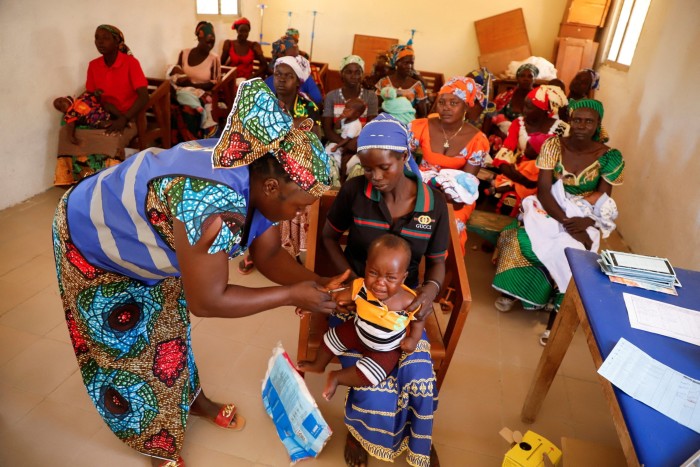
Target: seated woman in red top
x,y
118,78
241,53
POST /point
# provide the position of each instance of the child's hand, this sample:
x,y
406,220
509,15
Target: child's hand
x,y
334,148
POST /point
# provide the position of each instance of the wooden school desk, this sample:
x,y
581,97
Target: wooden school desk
x,y
647,436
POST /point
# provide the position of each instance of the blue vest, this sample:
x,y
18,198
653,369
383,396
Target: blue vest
x,y
107,217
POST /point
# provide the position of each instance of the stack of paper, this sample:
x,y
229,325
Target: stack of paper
x,y
647,272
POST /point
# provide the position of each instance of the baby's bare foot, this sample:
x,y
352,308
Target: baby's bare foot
x,y
310,367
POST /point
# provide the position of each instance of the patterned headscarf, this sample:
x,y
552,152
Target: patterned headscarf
x,y
595,77
240,22
257,125
484,78
399,51
383,132
280,46
352,59
118,35
528,66
204,29
299,64
464,88
600,133
293,33
548,98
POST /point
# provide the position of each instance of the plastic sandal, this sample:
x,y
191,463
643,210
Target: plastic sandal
x,y
180,462
504,304
544,338
226,416
246,266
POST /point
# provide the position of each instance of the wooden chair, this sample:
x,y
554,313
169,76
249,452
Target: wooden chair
x,y
153,123
443,327
318,72
223,94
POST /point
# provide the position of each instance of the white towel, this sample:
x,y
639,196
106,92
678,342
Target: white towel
x,y
549,238
462,187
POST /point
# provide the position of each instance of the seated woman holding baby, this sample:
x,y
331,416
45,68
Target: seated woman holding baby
x,y
572,208
198,70
526,135
396,414
352,69
453,150
404,79
116,91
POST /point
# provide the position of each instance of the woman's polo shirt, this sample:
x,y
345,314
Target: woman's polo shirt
x,y
361,210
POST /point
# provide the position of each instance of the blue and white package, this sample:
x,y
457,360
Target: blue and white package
x,y
293,410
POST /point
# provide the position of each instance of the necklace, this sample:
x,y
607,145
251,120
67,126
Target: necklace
x,y
446,145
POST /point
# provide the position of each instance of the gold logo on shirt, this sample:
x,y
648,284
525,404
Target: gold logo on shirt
x,y
425,220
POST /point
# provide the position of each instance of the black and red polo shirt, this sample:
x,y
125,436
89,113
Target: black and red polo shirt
x,y
361,210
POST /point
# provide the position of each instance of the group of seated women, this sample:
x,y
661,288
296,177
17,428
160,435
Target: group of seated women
x,y
562,172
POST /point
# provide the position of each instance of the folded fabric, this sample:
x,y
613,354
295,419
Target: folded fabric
x,y
603,212
460,186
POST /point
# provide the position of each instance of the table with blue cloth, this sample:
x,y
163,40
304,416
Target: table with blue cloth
x,y
647,436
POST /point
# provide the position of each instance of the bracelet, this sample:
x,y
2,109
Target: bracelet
x,y
432,281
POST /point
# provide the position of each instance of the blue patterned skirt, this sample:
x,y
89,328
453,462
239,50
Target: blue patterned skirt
x,y
397,414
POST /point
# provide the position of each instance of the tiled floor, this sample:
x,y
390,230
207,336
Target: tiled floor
x,y
46,417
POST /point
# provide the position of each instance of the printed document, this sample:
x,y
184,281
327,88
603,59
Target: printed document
x,y
662,318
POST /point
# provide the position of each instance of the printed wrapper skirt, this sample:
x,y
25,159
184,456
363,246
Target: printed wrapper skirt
x,y
132,342
395,415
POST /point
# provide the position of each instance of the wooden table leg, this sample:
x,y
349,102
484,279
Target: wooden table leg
x,y
563,331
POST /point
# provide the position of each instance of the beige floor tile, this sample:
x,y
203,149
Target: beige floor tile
x,y
521,346
15,404
37,315
195,454
480,341
215,358
13,342
13,294
589,408
50,434
40,271
105,449
515,386
41,367
452,456
59,333
578,362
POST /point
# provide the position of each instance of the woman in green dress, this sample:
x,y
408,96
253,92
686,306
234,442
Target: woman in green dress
x,y
585,166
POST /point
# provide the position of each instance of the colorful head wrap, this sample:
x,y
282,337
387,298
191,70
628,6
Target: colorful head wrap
x,y
595,77
118,35
280,46
383,132
240,22
527,66
352,59
399,51
600,133
293,33
464,88
257,125
548,98
299,64
204,29
398,106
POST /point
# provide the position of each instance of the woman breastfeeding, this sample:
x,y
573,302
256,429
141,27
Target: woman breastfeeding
x,y
241,53
403,79
571,209
452,147
202,70
396,414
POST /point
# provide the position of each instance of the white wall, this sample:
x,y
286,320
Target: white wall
x,y
651,112
45,48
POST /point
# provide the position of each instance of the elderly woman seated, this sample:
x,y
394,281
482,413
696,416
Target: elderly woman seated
x,y
289,75
404,79
287,46
571,209
117,78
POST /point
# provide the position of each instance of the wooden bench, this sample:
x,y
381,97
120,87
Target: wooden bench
x,y
443,327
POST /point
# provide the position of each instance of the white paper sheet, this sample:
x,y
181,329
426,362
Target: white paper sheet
x,y
662,318
653,383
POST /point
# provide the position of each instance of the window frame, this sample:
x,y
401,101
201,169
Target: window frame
x,y
219,14
612,28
